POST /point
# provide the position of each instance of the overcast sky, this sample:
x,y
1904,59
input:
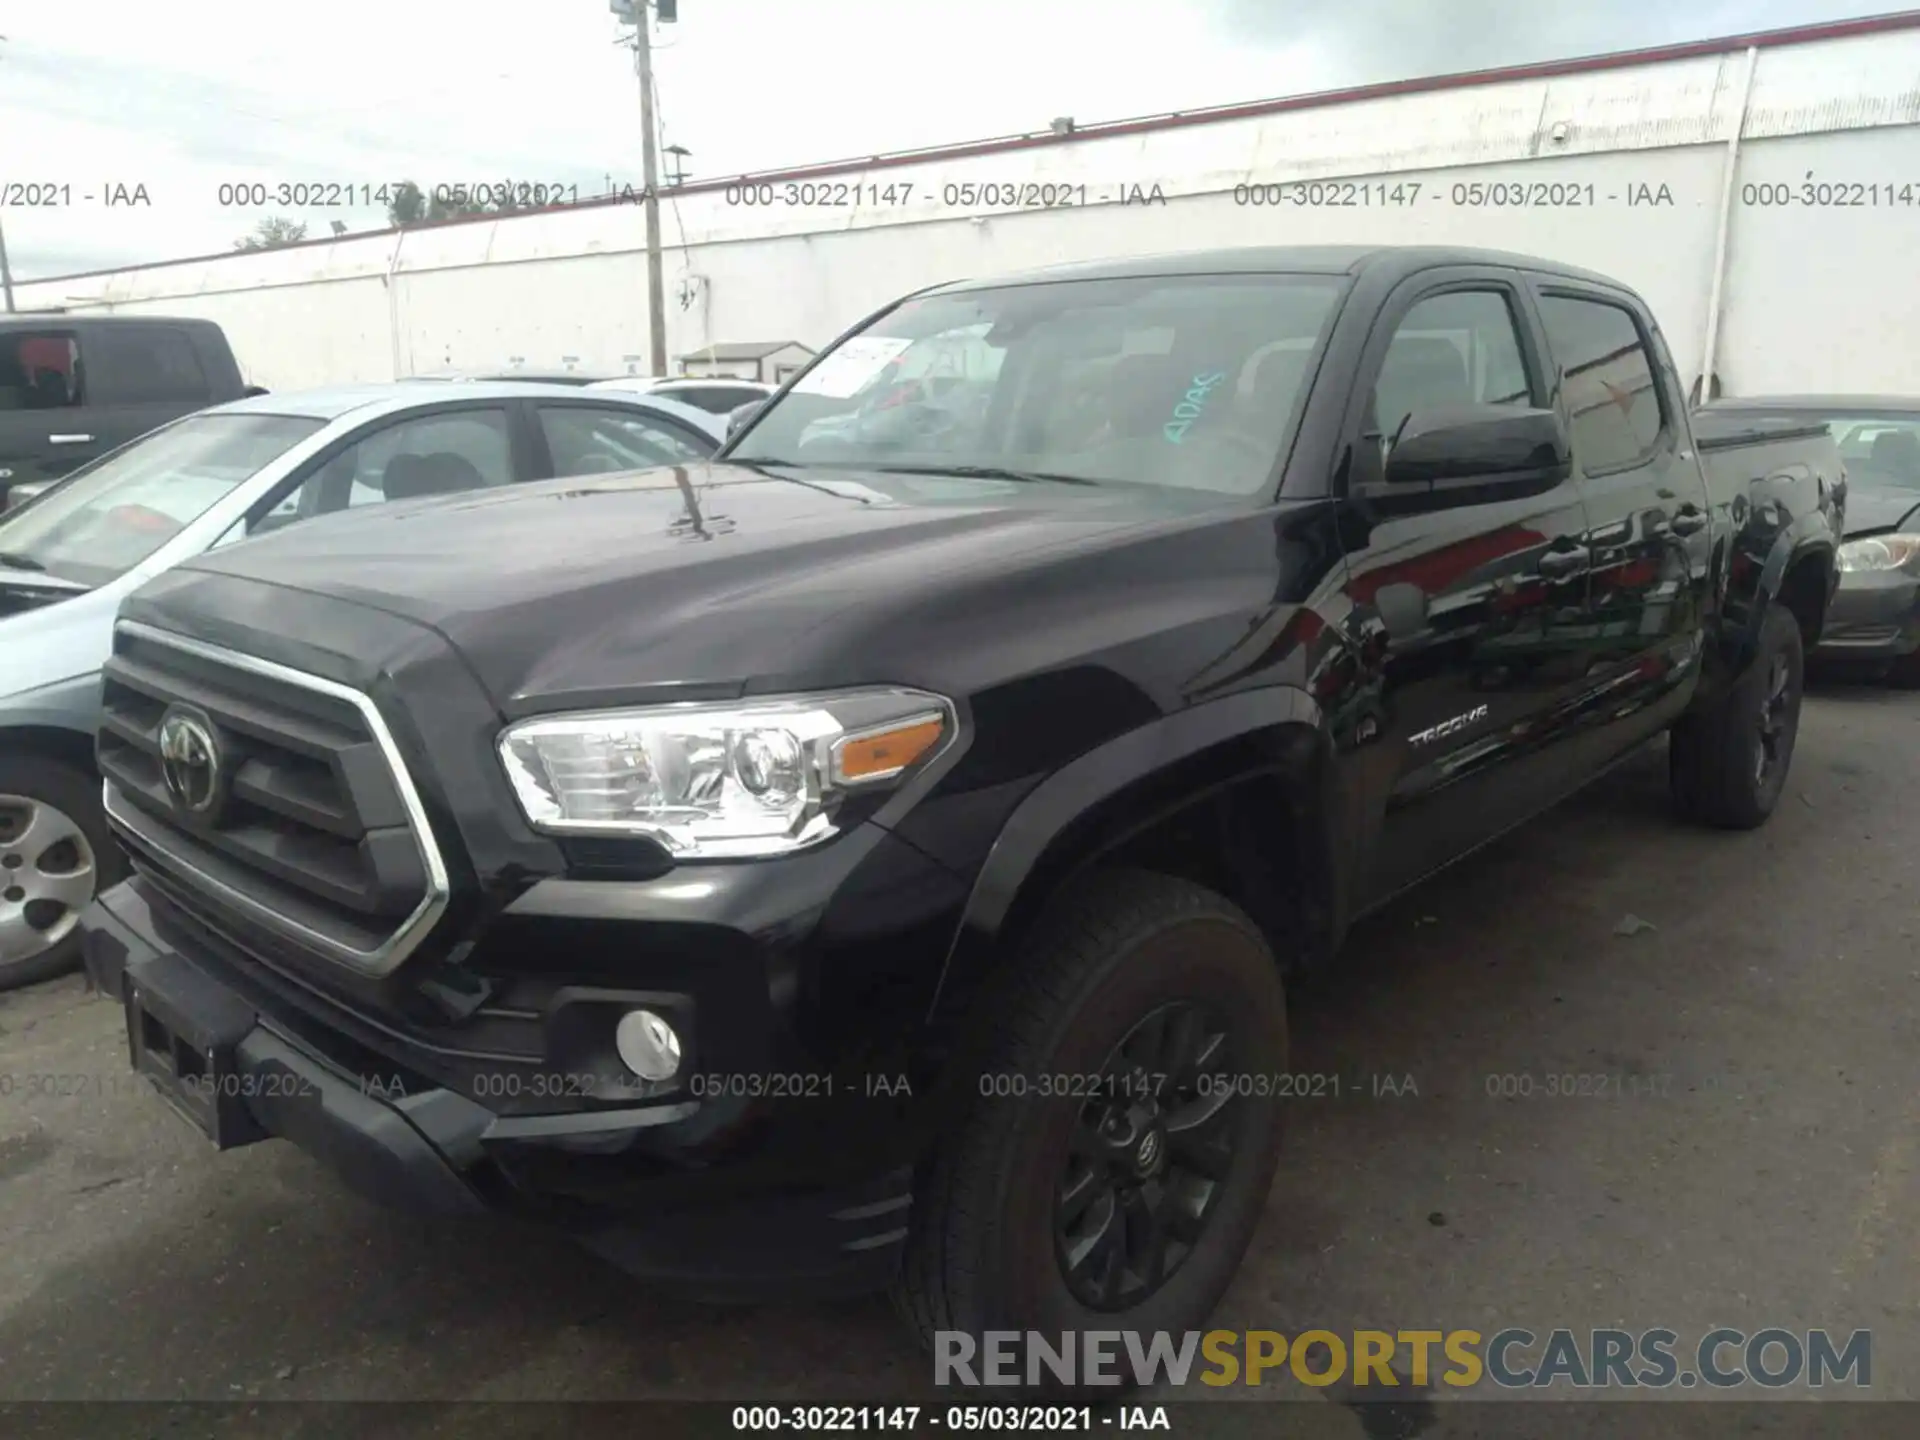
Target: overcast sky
x,y
180,96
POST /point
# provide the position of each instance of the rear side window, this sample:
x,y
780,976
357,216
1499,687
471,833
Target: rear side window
x,y
588,440
1613,405
435,454
146,365
716,399
40,370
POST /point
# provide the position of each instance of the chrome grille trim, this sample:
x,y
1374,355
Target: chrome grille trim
x,y
384,958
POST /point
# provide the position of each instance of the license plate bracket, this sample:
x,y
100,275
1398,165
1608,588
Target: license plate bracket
x,y
183,1032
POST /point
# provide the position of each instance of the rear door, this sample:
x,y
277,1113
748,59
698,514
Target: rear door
x,y
447,450
1469,607
1646,500
217,361
45,431
139,374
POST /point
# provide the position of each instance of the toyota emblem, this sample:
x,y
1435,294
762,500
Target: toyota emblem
x,y
190,760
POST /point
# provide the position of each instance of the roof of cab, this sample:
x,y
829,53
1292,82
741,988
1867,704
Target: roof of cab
x,y
1281,260
59,317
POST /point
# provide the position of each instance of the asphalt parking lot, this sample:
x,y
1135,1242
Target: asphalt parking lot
x,y
1765,1175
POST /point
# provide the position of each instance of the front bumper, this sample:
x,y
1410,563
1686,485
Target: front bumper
x,y
240,1077
1874,616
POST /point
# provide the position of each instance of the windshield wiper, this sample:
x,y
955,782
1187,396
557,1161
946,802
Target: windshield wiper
x,y
14,560
976,472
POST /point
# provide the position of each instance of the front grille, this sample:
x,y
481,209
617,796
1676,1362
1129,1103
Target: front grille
x,y
314,832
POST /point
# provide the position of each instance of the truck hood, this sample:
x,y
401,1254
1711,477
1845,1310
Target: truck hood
x,y
1873,511
707,580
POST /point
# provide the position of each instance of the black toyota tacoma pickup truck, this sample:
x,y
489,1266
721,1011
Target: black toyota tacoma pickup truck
x,y
877,857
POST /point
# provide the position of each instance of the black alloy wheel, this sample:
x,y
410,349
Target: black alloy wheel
x,y
1146,1160
1775,719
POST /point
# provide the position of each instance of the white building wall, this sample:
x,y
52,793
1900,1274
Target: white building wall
x,y
1816,297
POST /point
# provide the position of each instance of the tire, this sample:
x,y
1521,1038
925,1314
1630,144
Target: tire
x,y
983,1252
54,851
1728,765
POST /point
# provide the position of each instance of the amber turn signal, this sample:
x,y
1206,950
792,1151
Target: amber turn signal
x,y
887,752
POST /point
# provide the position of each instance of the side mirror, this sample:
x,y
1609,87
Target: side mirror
x,y
738,417
1460,446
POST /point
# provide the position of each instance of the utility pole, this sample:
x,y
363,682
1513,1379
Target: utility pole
x,y
650,177
6,271
637,13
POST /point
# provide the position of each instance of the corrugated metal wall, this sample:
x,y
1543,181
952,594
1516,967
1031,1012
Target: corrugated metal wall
x,y
1817,296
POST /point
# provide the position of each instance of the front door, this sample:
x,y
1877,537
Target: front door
x,y
1468,606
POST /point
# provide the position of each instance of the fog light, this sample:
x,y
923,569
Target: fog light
x,y
647,1045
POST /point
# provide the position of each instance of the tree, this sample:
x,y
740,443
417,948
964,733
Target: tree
x,y
272,233
408,205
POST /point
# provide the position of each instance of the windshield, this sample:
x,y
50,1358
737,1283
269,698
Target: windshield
x,y
1186,381
1881,451
107,518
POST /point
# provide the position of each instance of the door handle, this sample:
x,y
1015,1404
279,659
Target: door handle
x,y
1688,522
1557,563
69,439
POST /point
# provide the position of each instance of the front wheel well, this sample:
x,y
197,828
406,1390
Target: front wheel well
x,y
1246,820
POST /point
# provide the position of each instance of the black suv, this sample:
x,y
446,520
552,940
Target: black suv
x,y
876,857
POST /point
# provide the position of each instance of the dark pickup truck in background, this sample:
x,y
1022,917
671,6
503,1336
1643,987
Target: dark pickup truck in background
x,y
876,857
73,387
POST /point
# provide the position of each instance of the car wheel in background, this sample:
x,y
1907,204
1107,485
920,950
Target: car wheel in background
x,y
1904,673
55,856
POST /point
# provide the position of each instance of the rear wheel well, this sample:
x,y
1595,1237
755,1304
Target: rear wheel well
x,y
70,747
1803,594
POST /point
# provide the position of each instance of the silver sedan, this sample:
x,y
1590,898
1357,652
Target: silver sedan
x,y
71,553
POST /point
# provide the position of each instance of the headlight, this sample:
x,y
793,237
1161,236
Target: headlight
x,y
1881,552
757,778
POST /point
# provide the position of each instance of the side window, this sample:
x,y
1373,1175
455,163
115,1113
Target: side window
x,y
587,440
146,365
442,454
39,370
1613,406
726,399
715,399
1458,348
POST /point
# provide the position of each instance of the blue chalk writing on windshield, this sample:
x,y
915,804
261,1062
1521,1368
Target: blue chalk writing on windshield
x,y
1192,406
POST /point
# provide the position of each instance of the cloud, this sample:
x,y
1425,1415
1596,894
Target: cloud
x,y
187,96
1384,40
